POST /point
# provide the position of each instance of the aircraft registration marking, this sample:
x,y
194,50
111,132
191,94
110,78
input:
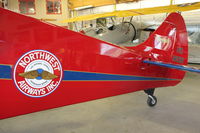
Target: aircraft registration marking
x,y
177,59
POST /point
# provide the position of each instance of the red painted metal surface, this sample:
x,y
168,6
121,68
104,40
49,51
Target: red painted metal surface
x,y
91,68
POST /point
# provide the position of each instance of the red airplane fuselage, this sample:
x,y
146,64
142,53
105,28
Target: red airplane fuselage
x,y
85,68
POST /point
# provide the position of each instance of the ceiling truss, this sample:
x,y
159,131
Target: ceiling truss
x,y
95,3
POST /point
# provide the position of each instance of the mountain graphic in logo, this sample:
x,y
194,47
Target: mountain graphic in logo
x,y
38,74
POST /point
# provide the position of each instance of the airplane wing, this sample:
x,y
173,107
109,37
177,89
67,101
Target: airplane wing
x,y
136,12
174,66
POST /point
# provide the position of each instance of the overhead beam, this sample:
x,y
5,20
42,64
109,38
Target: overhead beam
x,y
95,3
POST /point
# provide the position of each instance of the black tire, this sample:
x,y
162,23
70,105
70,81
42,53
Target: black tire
x,y
134,37
151,101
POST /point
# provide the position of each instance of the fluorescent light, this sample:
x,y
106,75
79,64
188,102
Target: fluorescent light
x,y
83,7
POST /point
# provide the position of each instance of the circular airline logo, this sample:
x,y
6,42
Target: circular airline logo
x,y
37,73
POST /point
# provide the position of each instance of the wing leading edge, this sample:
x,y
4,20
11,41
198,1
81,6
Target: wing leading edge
x,y
136,12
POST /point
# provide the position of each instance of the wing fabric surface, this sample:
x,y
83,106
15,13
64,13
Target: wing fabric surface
x,y
137,12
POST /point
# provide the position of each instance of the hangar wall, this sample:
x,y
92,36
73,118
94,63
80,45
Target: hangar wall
x,y
41,12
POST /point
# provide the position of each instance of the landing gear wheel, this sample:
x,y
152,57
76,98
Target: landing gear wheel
x,y
151,101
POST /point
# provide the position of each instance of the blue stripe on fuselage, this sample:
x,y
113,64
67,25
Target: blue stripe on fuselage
x,y
5,72
89,76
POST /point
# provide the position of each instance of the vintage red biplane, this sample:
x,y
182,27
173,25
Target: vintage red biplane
x,y
43,66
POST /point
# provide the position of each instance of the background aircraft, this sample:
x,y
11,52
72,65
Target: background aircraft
x,y
128,33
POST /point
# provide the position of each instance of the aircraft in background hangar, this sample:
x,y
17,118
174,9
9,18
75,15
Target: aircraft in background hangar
x,y
127,31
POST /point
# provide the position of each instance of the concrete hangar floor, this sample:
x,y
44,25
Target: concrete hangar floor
x,y
177,111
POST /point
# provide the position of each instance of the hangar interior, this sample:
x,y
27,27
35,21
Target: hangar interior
x,y
178,108
54,11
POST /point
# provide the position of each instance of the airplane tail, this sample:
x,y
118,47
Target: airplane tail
x,y
167,46
168,43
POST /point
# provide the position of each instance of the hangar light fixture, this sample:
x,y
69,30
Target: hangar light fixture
x,y
83,7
